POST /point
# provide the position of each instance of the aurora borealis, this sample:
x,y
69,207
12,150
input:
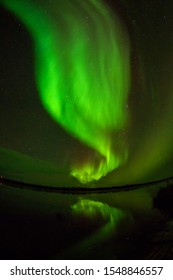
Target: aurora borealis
x,y
103,76
86,95
80,85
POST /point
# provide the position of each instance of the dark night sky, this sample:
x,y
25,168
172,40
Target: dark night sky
x,y
28,129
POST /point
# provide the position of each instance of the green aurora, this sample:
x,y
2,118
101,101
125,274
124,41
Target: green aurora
x,y
82,70
82,74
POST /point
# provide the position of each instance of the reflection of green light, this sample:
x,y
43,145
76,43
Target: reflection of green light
x,y
92,210
82,73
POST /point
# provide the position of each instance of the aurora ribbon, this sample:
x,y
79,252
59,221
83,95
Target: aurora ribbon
x,y
82,75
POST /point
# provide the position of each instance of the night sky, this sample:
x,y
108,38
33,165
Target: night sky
x,y
38,149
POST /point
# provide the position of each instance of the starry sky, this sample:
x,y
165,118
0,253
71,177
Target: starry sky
x,y
31,137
